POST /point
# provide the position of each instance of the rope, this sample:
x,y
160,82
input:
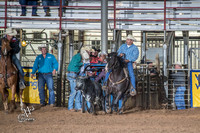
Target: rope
x,y
118,82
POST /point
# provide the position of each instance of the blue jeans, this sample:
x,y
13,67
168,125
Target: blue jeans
x,y
131,74
19,67
28,2
48,79
179,97
52,3
73,94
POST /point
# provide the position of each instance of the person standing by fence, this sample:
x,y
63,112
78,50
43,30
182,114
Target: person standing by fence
x,y
24,3
47,65
180,87
73,71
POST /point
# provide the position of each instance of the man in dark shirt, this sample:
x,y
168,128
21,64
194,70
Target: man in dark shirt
x,y
14,43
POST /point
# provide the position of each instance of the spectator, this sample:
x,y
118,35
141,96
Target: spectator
x,y
14,43
94,55
47,65
85,59
179,83
73,71
47,3
102,59
24,3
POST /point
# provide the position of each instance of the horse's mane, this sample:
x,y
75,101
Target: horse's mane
x,y
119,61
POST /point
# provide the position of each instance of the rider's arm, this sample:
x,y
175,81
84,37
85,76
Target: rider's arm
x,y
15,45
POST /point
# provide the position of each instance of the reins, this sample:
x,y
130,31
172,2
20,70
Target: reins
x,y
118,82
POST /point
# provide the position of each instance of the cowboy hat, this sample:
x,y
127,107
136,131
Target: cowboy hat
x,y
84,54
178,63
130,37
42,46
10,32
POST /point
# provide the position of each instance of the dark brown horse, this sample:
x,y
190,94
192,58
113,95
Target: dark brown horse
x,y
118,83
8,77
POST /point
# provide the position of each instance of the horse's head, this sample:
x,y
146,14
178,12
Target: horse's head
x,y
5,47
114,61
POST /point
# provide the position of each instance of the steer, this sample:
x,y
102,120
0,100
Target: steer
x,y
91,92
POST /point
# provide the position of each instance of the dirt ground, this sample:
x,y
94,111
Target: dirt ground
x,y
58,119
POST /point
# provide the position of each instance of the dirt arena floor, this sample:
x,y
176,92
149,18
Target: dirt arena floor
x,y
59,120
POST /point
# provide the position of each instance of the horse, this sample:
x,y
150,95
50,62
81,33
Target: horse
x,y
8,77
118,83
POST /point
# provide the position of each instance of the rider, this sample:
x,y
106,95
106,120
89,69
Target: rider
x,y
14,44
130,53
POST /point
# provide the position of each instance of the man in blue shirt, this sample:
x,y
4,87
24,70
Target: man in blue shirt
x,y
130,53
47,65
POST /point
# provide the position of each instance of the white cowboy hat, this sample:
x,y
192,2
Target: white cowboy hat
x,y
178,63
10,32
130,37
42,46
103,53
84,54
85,48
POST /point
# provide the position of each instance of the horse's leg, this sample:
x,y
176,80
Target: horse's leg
x,y
13,106
107,99
4,95
103,104
116,101
123,104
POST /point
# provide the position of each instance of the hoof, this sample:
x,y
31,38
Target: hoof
x,y
94,114
108,111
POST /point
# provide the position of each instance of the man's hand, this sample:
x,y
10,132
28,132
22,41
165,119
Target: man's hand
x,y
32,75
54,72
126,61
121,55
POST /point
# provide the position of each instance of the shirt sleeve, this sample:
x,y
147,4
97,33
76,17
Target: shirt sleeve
x,y
35,66
15,46
119,51
55,63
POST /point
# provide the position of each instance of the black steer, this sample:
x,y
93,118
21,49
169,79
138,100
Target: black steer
x,y
91,92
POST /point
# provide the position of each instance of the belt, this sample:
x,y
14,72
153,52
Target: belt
x,y
46,73
72,72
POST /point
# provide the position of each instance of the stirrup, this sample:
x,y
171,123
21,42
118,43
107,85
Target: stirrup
x,y
104,87
21,85
133,92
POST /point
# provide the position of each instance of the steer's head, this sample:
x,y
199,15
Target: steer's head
x,y
80,82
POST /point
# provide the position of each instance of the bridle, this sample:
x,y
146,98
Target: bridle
x,y
114,65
